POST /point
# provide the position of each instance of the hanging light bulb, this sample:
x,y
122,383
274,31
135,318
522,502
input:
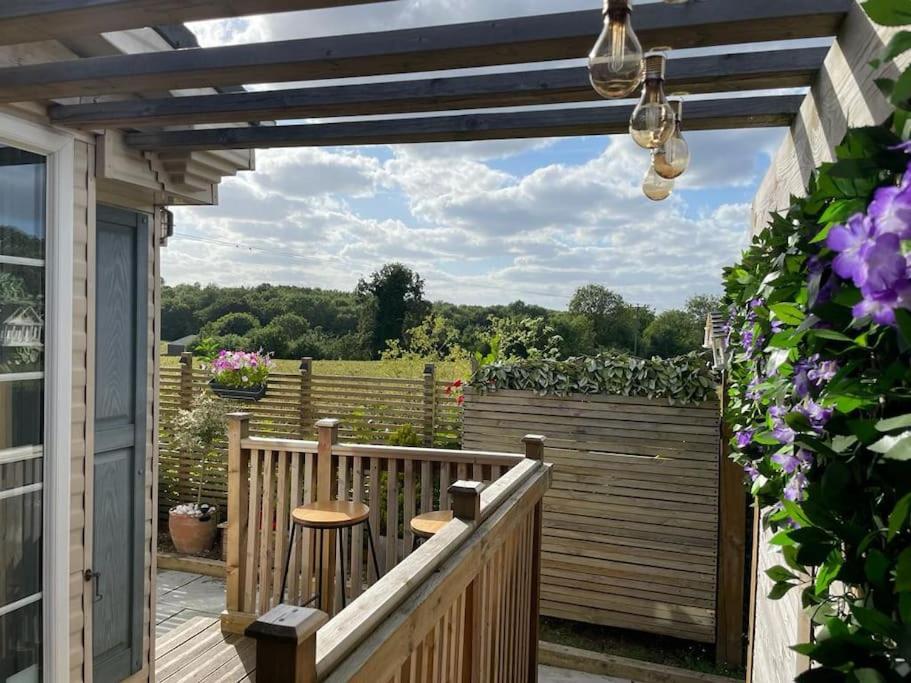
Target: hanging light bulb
x,y
654,186
615,62
652,123
673,157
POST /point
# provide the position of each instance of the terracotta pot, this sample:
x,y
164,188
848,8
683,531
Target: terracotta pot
x,y
190,535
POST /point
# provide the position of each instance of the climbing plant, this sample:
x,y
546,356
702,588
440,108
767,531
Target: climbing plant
x,y
820,393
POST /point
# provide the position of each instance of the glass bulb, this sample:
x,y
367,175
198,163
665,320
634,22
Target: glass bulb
x,y
615,62
655,187
652,123
673,158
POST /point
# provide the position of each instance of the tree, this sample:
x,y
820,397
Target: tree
x,y
232,323
701,305
617,325
434,339
577,333
524,338
672,333
394,301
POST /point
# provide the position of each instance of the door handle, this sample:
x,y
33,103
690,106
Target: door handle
x,y
93,577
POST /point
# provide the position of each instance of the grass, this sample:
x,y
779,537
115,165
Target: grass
x,y
646,647
404,369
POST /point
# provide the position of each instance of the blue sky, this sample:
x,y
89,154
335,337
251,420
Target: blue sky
x,y
485,222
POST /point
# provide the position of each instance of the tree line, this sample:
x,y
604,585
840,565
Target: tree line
x,y
387,316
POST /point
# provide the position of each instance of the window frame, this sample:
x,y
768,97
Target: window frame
x,y
58,147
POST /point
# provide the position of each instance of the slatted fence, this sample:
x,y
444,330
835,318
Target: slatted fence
x,y
370,409
631,522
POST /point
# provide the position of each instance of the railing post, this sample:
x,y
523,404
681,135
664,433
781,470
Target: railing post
x,y
327,431
183,484
534,450
430,404
286,644
238,495
466,505
306,397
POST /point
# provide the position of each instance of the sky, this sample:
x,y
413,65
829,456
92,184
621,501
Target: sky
x,y
482,222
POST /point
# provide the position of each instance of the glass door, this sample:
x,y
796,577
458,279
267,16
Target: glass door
x,y
23,228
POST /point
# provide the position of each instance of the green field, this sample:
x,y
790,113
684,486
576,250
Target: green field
x,y
405,369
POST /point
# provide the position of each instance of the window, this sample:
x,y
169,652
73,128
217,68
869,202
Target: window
x,y
23,230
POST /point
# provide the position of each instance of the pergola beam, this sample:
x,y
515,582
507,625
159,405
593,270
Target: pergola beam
x,y
31,20
489,43
710,74
752,112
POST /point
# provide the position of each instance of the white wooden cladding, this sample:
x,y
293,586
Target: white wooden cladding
x,y
279,475
631,523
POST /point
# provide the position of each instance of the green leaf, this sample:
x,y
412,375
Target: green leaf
x,y
868,676
903,572
876,567
894,423
779,590
789,314
828,572
875,621
794,512
899,516
779,574
901,92
894,447
903,318
900,43
832,334
888,12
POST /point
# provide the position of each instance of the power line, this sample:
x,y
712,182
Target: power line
x,y
247,247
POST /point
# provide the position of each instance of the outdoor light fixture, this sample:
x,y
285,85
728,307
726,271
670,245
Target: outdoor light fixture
x,y
615,62
673,158
654,186
653,120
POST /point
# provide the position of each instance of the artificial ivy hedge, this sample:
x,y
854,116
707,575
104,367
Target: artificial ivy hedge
x,y
686,379
820,404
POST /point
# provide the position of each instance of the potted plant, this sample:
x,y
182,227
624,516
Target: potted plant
x,y
240,375
197,431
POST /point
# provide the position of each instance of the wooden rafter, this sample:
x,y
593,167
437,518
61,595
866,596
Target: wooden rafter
x,y
715,73
31,20
509,41
741,112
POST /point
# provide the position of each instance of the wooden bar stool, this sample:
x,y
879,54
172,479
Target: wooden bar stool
x,y
427,525
333,515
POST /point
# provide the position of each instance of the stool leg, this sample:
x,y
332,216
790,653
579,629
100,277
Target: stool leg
x,y
319,576
376,565
281,598
341,578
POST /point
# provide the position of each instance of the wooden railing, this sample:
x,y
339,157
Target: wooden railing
x,y
267,478
463,607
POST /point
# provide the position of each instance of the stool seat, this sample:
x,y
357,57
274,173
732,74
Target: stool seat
x,y
334,514
428,524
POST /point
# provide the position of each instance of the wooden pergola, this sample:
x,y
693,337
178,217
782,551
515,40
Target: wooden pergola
x,y
530,41
123,94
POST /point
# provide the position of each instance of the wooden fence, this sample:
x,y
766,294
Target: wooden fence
x,y
631,523
370,410
270,477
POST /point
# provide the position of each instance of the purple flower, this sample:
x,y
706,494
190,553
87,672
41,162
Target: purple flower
x,y
881,306
787,461
891,210
756,303
777,326
751,471
884,265
752,393
778,412
746,340
816,415
806,458
824,372
852,241
784,434
795,487
744,438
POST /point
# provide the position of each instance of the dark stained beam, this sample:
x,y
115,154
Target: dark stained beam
x,y
29,20
488,43
716,73
752,112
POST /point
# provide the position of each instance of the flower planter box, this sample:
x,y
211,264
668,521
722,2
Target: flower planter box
x,y
235,394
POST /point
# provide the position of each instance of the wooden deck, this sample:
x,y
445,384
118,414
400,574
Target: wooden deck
x,y
198,651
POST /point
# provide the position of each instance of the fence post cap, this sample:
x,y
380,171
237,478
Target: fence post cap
x,y
328,423
306,363
466,499
186,358
534,438
239,417
429,368
287,623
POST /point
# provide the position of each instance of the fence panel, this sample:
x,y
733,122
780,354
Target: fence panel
x,y
371,410
631,522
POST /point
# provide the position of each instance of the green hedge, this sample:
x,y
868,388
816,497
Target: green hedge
x,y
685,379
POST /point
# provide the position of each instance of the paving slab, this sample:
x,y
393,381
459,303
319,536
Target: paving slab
x,y
549,674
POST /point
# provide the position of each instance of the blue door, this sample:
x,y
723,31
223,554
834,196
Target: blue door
x,y
121,353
